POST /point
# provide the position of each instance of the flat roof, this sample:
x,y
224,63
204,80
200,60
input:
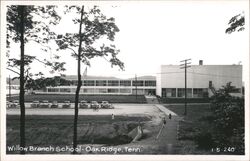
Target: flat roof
x,y
74,77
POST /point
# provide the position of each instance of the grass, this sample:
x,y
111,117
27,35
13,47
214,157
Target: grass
x,y
58,130
190,125
194,111
71,97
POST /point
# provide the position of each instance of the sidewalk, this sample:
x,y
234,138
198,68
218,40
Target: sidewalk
x,y
168,137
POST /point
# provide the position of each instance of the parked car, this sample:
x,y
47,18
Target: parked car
x,y
35,104
54,104
66,104
106,104
14,104
7,104
95,105
84,104
45,104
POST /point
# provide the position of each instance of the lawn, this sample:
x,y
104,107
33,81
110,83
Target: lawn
x,y
190,125
196,131
58,130
194,111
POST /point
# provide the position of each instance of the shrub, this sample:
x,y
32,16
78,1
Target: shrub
x,y
204,140
228,123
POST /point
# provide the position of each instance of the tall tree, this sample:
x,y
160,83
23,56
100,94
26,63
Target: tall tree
x,y
94,28
236,23
25,24
228,118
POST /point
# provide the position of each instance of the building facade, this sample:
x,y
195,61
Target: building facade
x,y
169,82
200,80
109,85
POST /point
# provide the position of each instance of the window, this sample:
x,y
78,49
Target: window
x,y
150,83
125,83
125,90
150,91
101,83
171,92
89,83
73,90
65,90
113,90
138,91
89,90
200,92
138,83
181,92
101,90
53,90
113,83
163,92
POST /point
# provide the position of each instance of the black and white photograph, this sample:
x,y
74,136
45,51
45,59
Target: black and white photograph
x,y
125,80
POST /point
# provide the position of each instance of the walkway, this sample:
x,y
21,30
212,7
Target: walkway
x,y
168,136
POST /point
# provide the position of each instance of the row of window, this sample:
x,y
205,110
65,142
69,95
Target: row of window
x,y
105,90
118,83
90,90
180,92
12,87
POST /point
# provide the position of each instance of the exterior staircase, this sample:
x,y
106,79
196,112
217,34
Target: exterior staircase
x,y
152,100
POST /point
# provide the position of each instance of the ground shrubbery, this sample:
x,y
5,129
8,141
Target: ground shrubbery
x,y
226,128
218,125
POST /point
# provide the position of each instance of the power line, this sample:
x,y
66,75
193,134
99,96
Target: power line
x,y
215,75
144,74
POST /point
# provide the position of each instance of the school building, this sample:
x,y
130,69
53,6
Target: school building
x,y
169,82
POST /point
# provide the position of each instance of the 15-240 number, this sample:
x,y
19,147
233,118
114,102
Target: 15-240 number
x,y
224,149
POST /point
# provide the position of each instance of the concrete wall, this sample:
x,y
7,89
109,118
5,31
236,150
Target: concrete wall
x,y
198,76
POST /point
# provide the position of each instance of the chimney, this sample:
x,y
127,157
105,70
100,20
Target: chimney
x,y
200,62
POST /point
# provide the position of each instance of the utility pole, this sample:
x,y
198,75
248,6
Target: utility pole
x,y
185,66
136,87
9,88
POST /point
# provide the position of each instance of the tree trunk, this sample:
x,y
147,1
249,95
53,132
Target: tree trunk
x,y
79,84
22,81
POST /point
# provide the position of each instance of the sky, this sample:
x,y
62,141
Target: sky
x,y
163,32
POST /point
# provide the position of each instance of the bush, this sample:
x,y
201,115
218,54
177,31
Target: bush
x,y
204,140
228,123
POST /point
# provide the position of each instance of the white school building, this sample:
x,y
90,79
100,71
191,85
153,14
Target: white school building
x,y
145,85
169,82
200,79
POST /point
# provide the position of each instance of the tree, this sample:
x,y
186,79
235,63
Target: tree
x,y
236,24
42,82
25,24
94,28
228,122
